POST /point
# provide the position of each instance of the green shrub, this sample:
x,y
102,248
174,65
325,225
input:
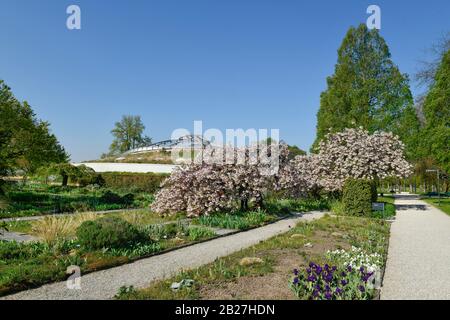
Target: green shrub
x,y
146,182
108,232
110,197
357,197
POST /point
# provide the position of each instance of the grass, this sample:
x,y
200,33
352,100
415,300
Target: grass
x,y
227,277
50,229
445,204
41,199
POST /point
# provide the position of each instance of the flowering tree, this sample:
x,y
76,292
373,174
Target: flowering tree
x,y
298,177
354,153
222,180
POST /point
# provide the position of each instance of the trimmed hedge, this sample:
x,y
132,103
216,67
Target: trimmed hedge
x,y
145,182
358,196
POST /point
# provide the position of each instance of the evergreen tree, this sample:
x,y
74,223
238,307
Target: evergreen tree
x,y
367,90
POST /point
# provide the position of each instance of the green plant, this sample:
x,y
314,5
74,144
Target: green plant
x,y
53,228
108,232
198,233
238,220
125,291
337,207
135,250
357,197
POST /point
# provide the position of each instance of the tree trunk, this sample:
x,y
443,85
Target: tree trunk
x,y
244,204
65,180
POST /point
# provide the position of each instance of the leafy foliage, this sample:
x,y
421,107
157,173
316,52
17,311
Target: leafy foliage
x,y
128,135
26,142
148,182
107,232
436,135
367,90
357,197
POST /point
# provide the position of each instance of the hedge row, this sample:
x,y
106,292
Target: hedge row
x,y
358,195
146,182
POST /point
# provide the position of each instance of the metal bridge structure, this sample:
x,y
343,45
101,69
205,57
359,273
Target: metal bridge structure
x,y
184,142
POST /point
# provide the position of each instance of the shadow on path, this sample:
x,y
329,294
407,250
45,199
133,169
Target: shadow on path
x,y
422,207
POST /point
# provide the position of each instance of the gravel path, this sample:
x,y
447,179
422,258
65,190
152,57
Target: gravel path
x,y
418,265
105,284
16,236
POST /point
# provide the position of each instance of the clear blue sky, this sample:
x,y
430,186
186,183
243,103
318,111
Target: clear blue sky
x,y
230,63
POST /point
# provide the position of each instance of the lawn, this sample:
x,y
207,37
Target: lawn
x,y
41,199
445,204
265,271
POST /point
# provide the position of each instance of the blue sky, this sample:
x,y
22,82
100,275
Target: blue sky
x,y
230,63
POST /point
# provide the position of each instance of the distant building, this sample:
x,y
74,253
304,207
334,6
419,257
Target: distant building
x,y
185,142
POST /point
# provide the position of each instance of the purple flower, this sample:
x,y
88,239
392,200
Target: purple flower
x,y
312,265
327,267
319,270
328,295
343,274
328,277
344,282
308,270
361,288
315,293
338,290
334,268
349,268
295,280
327,288
361,269
295,271
312,278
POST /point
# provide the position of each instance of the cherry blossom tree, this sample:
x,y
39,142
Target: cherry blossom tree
x,y
298,178
224,179
354,153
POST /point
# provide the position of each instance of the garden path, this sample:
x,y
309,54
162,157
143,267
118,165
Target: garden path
x,y
419,252
106,283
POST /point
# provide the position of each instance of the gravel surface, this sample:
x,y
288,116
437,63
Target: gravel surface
x,y
16,236
418,265
105,284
